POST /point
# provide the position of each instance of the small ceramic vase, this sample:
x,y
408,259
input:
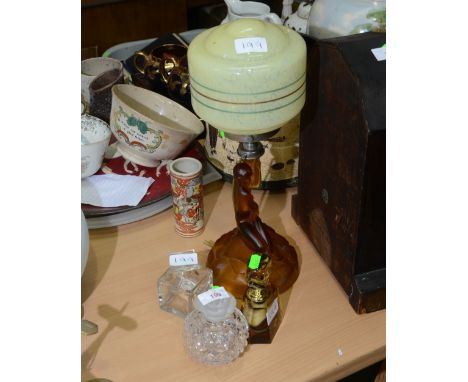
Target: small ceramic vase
x,y
100,91
187,196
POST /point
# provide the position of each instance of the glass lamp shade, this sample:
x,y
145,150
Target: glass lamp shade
x,y
247,77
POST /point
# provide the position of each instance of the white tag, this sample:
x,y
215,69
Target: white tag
x,y
272,310
212,295
250,44
380,53
183,258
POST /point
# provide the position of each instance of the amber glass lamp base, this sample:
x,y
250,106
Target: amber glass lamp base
x,y
229,257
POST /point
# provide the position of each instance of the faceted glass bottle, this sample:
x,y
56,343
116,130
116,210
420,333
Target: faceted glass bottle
x,y
179,285
216,333
261,303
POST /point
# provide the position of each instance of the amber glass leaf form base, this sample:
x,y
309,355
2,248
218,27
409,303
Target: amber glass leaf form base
x,y
229,257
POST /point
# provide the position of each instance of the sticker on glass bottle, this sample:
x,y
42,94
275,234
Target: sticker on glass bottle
x,y
272,311
183,258
250,44
212,295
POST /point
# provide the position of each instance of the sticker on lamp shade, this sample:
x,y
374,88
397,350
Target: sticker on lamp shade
x,y
251,44
183,258
212,295
272,311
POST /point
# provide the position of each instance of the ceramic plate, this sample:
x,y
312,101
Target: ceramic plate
x,y
160,188
84,243
140,213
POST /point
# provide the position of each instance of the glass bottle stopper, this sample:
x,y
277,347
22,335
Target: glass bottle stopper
x,y
216,304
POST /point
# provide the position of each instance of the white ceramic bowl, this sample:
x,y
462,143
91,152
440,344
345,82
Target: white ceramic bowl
x,y
95,136
84,243
150,127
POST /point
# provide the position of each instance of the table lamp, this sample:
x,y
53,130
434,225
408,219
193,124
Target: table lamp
x,y
247,79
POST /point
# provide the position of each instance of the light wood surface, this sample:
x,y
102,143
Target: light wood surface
x,y
321,338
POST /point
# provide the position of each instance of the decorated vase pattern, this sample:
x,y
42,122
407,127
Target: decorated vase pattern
x,y
187,197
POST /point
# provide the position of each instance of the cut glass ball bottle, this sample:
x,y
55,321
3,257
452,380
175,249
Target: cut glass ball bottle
x,y
216,333
179,285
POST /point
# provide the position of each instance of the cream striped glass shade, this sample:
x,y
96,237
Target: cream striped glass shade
x,y
247,76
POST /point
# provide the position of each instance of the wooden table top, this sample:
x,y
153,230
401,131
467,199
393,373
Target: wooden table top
x,y
321,338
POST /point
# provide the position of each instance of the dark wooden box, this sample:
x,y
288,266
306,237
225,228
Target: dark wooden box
x,y
340,202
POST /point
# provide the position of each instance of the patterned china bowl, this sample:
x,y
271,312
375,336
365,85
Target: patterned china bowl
x,y
150,127
95,137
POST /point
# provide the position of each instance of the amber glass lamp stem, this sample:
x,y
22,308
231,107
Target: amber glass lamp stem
x,y
256,176
246,209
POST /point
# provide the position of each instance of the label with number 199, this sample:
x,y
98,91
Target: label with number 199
x,y
250,44
183,258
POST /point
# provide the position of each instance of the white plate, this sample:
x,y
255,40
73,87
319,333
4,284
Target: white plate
x,y
84,243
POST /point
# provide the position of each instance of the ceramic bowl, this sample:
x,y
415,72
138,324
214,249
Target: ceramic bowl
x,y
95,136
93,67
150,127
84,243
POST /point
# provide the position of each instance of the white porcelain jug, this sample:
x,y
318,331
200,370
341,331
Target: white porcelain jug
x,y
249,9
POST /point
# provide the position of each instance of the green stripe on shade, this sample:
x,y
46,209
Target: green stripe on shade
x,y
248,94
246,112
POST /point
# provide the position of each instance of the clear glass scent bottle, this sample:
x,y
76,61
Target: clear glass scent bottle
x,y
179,285
261,303
216,332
